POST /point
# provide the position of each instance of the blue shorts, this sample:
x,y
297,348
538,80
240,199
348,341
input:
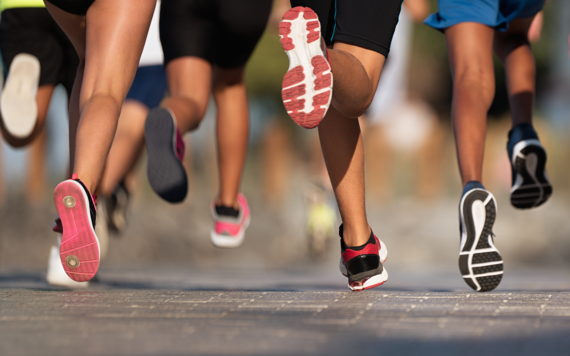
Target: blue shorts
x,y
494,13
149,86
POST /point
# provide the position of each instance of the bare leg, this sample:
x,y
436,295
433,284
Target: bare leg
x,y
127,145
356,72
189,83
232,131
470,49
43,98
513,48
109,48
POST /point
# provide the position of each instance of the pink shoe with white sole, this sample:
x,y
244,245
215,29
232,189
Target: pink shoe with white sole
x,y
229,224
307,85
79,250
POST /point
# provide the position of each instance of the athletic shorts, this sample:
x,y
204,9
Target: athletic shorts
x,y
365,23
149,86
33,31
76,7
493,13
223,32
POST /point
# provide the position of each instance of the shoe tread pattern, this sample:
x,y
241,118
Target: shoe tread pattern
x,y
166,174
488,282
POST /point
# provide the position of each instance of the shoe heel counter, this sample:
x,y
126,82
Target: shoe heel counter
x,y
363,263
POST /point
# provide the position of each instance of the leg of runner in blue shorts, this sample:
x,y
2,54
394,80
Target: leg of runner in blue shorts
x,y
470,36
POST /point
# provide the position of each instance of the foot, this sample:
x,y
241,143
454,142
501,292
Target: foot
x,y
18,99
479,260
363,265
79,251
530,184
307,85
165,149
56,275
230,224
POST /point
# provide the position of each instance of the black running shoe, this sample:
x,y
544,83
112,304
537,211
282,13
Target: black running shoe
x,y
363,265
479,260
165,149
530,184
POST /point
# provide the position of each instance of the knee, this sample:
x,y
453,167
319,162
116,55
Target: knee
x,y
474,80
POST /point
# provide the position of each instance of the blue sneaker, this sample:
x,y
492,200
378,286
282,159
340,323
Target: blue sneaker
x,y
530,184
480,263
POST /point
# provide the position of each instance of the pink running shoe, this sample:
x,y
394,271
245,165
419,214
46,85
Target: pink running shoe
x,y
364,265
307,85
229,224
79,250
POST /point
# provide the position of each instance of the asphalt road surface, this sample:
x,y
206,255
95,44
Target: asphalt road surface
x,y
306,310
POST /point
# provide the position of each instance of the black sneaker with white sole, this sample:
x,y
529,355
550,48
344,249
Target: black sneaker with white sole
x,y
530,184
479,260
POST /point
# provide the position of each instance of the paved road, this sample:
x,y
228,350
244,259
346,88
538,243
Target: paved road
x,y
303,311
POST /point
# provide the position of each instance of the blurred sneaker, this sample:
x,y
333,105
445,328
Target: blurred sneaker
x,y
117,208
79,249
230,224
530,184
307,85
479,260
18,99
165,149
56,275
321,219
102,228
363,265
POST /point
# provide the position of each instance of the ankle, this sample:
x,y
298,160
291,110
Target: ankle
x,y
355,235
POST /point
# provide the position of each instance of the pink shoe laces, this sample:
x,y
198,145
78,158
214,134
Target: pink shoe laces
x,y
180,146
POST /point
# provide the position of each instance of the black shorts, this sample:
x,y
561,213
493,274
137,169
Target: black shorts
x,y
223,32
366,23
33,31
77,7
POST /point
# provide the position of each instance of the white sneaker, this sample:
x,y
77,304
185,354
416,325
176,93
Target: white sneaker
x,y
18,99
56,275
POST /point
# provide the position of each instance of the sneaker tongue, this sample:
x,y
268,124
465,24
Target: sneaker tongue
x,y
227,211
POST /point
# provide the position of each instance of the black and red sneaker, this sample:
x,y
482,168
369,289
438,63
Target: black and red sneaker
x,y
363,265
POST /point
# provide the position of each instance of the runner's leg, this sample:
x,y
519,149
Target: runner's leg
x,y
232,131
109,48
513,49
127,145
356,72
189,83
470,49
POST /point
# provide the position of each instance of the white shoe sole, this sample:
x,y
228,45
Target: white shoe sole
x,y
18,99
56,275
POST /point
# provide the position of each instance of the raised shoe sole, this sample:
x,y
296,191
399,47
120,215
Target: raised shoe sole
x,y
531,186
307,85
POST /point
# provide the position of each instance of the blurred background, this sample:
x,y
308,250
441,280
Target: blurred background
x,y
413,184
